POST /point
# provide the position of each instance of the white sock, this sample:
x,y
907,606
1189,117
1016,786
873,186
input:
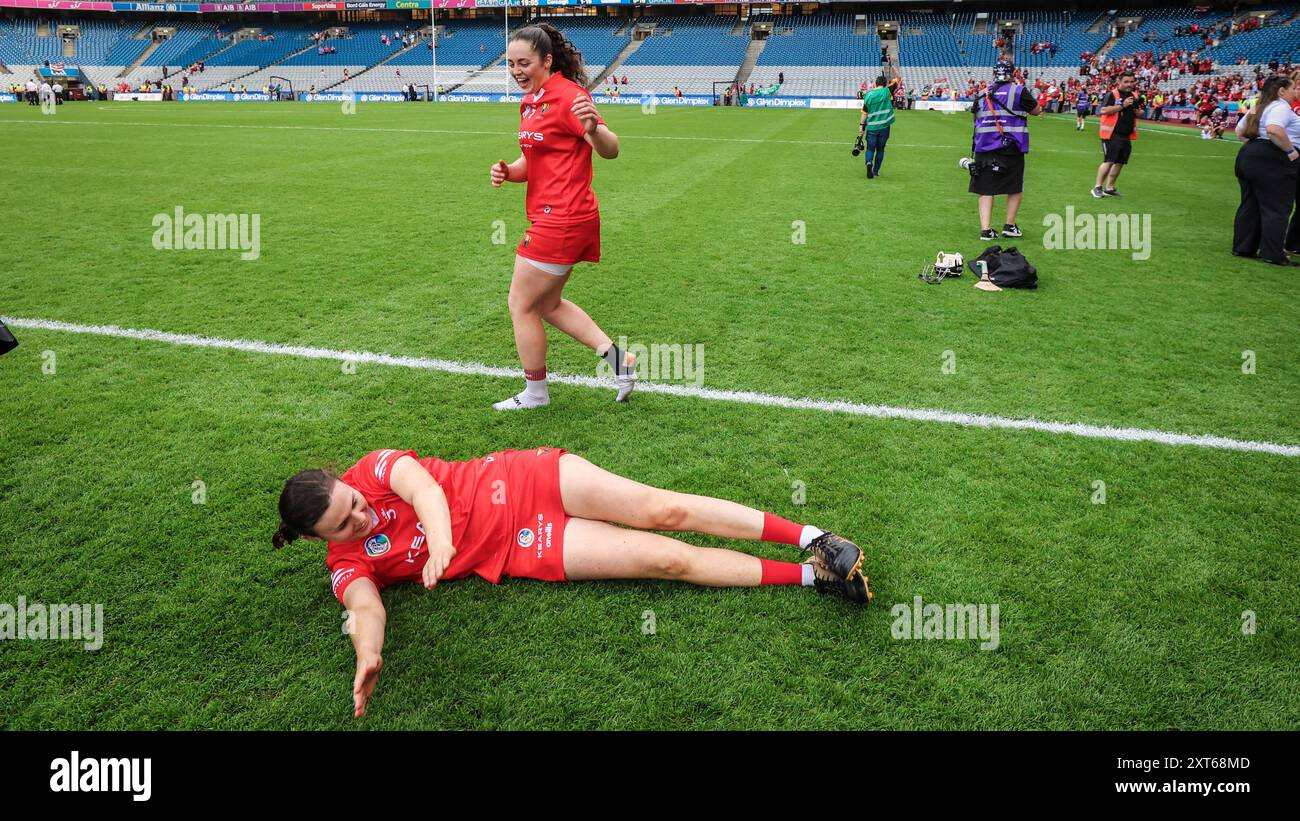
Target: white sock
x,y
808,575
536,389
807,535
524,400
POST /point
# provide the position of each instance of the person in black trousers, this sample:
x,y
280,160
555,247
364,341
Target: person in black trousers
x,y
1266,171
1292,244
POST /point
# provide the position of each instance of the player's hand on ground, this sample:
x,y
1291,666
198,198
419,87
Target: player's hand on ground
x,y
500,173
439,558
585,111
364,684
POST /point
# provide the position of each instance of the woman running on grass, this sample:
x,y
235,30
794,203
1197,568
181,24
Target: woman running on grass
x,y
539,514
558,129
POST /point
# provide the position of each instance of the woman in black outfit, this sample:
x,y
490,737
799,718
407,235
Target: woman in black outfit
x,y
1266,170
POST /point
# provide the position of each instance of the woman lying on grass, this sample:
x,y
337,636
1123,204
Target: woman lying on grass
x,y
538,514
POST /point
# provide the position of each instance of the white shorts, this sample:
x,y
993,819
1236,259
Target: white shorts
x,y
558,269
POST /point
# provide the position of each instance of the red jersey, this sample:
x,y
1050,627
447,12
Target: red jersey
x,y
482,521
559,158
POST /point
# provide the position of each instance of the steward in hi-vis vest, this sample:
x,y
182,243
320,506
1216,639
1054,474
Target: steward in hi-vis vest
x,y
1000,143
1118,111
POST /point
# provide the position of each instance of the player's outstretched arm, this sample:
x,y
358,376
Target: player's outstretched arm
x,y
366,621
418,489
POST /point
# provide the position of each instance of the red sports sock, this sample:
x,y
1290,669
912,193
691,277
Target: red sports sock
x,y
535,376
781,572
776,529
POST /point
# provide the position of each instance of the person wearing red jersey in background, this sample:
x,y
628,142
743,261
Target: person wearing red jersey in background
x,y
558,130
542,514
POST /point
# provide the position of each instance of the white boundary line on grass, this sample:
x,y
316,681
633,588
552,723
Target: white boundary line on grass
x,y
742,397
506,134
1146,127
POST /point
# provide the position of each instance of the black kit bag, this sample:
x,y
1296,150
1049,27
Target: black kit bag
x,y
7,341
1008,268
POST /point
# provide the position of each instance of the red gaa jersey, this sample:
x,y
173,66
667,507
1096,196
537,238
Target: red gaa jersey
x,y
483,509
559,158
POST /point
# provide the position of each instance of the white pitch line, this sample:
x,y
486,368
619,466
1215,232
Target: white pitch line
x,y
973,420
1151,128
508,134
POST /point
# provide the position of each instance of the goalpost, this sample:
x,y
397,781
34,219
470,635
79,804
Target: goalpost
x,y
285,82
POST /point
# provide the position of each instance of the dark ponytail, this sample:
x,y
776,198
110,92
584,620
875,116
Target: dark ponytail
x,y
305,498
565,58
1267,96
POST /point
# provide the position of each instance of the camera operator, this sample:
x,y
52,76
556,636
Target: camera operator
x,y
1000,143
877,117
1119,109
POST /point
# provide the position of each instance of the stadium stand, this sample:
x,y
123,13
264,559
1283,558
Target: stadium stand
x,y
1278,38
818,55
828,53
686,52
190,42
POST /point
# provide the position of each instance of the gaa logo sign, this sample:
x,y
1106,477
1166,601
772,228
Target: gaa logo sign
x,y
525,537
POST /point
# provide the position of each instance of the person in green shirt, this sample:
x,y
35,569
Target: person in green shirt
x,y
877,117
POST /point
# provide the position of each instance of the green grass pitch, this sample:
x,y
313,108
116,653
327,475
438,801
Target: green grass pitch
x,y
376,234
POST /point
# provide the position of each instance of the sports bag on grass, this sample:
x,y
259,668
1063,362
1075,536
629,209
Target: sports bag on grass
x,y
1008,268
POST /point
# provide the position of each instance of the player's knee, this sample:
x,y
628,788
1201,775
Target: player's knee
x,y
668,513
521,305
673,562
550,307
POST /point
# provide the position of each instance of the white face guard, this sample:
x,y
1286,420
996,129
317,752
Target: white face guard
x,y
945,265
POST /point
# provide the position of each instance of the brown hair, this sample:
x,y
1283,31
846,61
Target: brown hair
x,y
565,58
1269,95
303,501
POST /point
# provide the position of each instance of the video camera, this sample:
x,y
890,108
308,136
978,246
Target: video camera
x,y
977,167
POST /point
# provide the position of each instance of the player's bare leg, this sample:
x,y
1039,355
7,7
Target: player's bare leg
x,y
590,492
572,320
532,290
575,322
536,295
599,550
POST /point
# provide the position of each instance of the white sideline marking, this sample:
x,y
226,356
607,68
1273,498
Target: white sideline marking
x,y
743,397
52,121
1149,128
